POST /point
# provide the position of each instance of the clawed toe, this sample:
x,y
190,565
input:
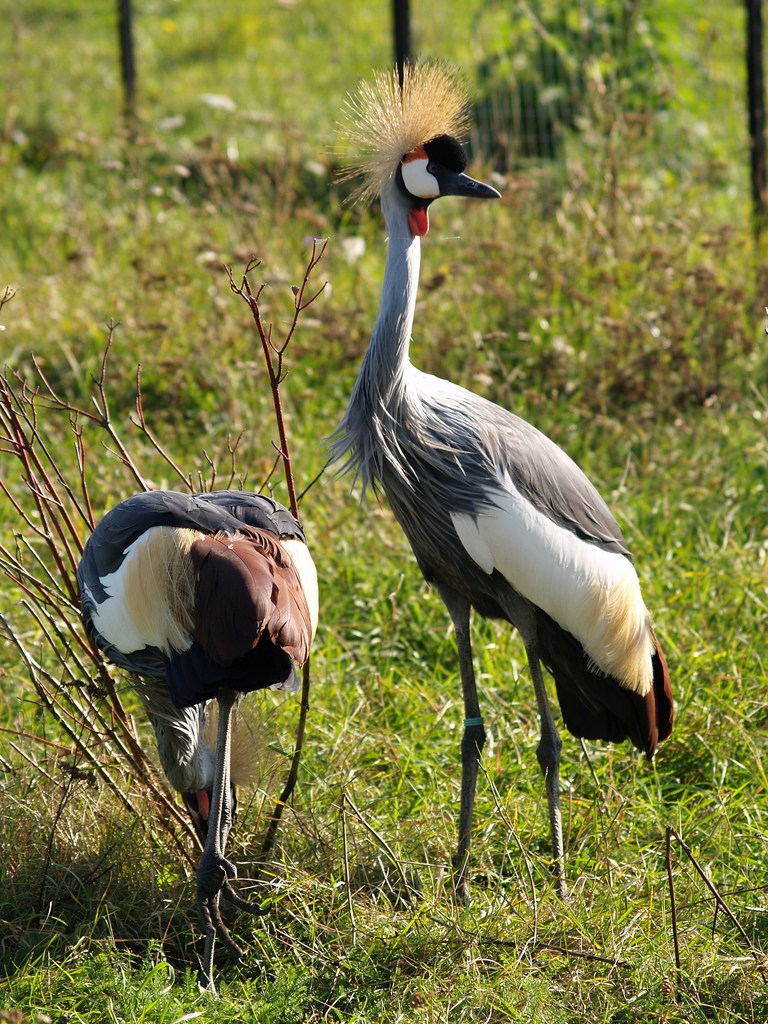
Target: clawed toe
x,y
213,881
249,906
213,924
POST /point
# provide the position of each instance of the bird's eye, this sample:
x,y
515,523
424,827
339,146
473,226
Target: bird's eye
x,y
432,167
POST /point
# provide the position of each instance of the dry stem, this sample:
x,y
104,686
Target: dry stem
x,y
54,508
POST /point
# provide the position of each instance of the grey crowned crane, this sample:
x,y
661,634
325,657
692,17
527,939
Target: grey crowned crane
x,y
203,597
499,518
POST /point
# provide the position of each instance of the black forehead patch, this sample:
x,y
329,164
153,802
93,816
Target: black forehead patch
x,y
448,152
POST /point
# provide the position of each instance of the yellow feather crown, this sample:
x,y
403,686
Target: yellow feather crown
x,y
384,121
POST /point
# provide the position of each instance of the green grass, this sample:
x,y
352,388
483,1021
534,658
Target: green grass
x,y
616,301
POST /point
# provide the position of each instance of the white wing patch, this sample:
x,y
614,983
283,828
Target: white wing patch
x,y
592,593
305,567
475,545
151,594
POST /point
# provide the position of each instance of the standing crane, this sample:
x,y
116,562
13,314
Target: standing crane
x,y
499,518
202,597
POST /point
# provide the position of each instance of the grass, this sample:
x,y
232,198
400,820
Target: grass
x,y
615,300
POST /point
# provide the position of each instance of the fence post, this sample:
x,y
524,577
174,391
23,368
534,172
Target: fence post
x,y
756,112
127,63
402,35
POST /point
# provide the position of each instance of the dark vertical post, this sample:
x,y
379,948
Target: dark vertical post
x,y
756,111
402,35
127,63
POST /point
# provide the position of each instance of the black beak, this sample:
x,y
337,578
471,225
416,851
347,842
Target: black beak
x,y
455,184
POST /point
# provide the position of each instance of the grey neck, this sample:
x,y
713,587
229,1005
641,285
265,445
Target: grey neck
x,y
366,438
386,360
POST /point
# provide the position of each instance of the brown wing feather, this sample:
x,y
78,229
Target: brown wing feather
x,y
655,711
246,584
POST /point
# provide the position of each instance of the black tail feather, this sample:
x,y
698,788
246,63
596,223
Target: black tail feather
x,y
594,705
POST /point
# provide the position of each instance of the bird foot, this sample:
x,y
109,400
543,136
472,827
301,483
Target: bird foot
x,y
215,928
213,876
249,906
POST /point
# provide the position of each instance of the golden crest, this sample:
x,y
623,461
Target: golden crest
x,y
384,120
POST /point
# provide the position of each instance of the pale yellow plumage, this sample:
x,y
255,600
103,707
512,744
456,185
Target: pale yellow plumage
x,y
384,121
160,587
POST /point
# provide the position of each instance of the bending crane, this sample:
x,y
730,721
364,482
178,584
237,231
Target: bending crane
x,y
201,597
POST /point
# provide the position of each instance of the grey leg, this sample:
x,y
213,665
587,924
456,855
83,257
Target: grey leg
x,y
473,739
548,755
214,871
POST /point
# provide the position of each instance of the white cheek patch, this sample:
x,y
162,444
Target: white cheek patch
x,y
417,178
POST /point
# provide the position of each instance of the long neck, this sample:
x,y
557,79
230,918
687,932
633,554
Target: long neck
x,y
366,437
387,356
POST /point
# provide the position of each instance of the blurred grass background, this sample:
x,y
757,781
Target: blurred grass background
x,y
615,297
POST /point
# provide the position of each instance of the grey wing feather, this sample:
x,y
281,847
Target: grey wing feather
x,y
553,483
490,445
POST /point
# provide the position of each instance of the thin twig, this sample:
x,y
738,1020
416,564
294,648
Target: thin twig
x,y
275,365
293,773
386,847
345,850
673,907
719,901
7,295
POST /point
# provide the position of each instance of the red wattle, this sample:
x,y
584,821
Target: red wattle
x,y
418,221
203,804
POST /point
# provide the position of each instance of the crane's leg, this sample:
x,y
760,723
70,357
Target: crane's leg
x,y
214,870
548,756
473,739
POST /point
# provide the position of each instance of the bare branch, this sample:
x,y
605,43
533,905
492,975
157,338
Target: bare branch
x,y
232,449
141,423
7,295
270,350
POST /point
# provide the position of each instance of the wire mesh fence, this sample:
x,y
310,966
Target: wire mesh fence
x,y
543,71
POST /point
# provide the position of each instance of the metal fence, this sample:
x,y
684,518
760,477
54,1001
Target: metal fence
x,y
544,71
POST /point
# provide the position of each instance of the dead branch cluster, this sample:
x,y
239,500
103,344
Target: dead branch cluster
x,y
51,498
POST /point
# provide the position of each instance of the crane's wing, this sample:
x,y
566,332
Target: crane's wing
x,y
446,449
520,506
208,512
189,664
251,619
552,482
493,448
